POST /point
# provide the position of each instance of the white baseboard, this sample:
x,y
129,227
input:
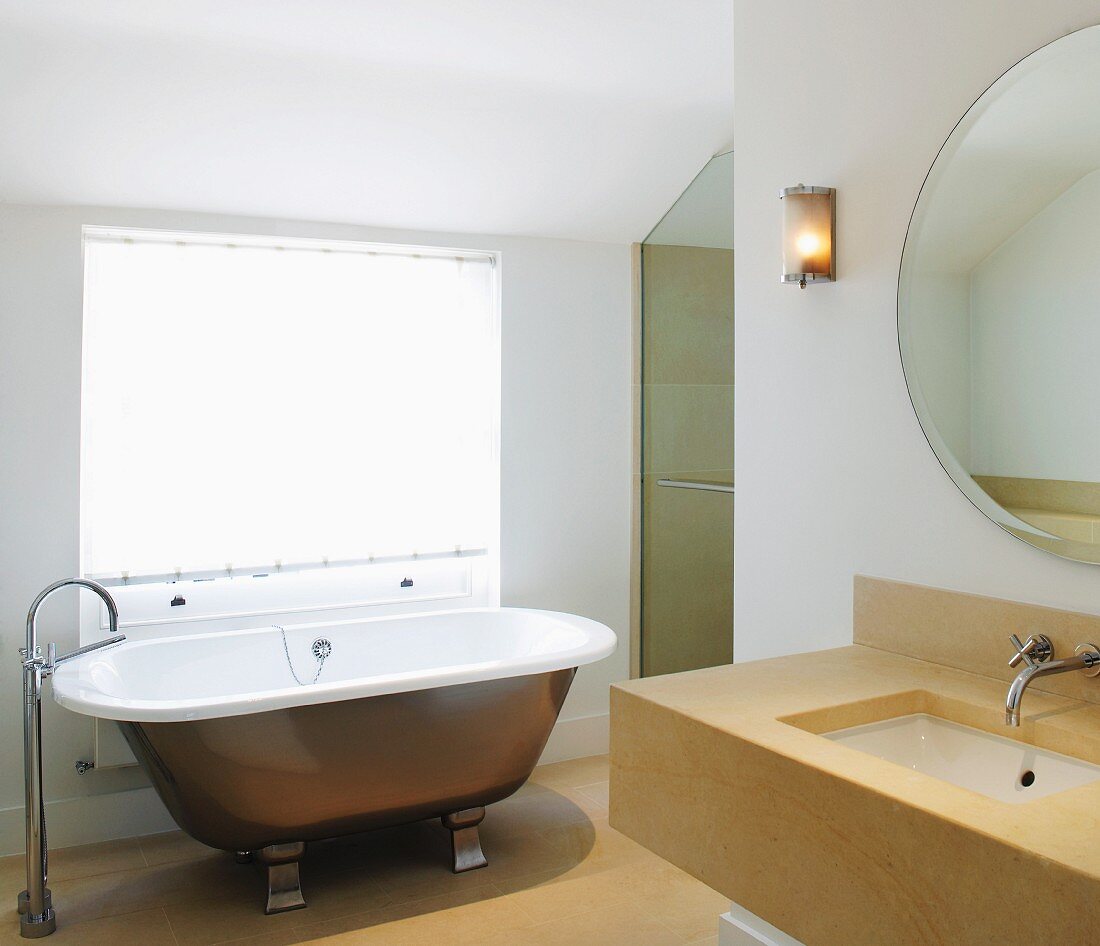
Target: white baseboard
x,y
87,819
90,818
741,928
578,738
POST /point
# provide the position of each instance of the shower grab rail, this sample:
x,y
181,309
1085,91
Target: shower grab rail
x,y
693,484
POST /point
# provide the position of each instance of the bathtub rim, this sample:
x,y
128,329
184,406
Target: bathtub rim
x,y
76,693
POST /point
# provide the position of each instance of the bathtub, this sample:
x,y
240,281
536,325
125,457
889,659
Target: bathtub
x,y
410,717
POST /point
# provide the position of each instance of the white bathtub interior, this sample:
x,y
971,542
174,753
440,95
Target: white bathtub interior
x,y
242,602
200,676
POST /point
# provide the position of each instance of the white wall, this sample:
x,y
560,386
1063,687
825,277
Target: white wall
x,y
565,469
1035,342
833,474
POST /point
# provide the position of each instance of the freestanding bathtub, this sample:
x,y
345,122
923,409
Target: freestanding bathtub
x,y
411,717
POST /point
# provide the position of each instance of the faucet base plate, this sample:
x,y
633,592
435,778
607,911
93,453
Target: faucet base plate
x,y
34,927
1094,670
24,899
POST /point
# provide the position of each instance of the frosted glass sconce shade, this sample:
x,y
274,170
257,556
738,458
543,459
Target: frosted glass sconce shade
x,y
809,234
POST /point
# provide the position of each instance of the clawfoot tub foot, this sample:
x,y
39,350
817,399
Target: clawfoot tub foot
x,y
465,843
284,887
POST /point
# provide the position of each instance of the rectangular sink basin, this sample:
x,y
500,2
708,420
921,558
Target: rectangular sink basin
x,y
994,766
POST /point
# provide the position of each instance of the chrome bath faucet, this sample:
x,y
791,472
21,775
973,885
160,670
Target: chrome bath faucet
x,y
1037,655
36,913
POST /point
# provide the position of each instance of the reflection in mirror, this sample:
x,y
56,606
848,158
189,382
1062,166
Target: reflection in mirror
x,y
997,302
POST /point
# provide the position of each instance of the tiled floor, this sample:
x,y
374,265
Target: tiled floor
x,y
557,874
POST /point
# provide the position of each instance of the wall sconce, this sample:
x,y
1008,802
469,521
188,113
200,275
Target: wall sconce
x,y
809,234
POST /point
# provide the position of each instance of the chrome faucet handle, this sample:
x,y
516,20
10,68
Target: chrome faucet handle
x,y
1036,649
53,660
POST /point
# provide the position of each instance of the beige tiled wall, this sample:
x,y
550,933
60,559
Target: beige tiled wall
x,y
688,315
969,632
687,554
687,579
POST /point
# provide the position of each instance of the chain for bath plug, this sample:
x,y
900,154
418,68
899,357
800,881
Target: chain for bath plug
x,y
321,648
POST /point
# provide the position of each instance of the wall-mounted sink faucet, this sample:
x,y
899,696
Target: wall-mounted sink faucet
x,y
36,914
1037,655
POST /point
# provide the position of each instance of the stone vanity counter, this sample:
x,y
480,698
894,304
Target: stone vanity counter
x,y
721,772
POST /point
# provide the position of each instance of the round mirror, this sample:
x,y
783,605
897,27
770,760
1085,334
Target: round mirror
x,y
999,300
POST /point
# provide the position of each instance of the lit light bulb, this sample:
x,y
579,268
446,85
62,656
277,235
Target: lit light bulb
x,y
808,244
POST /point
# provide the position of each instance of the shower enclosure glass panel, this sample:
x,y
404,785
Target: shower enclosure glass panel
x,y
687,429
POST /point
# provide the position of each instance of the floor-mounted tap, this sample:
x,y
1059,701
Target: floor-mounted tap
x,y
35,905
1037,655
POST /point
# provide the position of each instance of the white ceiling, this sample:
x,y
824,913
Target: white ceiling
x,y
583,119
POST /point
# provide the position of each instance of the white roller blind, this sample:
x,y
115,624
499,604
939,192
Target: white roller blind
x,y
247,403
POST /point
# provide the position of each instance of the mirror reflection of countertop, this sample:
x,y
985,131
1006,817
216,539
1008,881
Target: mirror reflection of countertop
x,y
723,772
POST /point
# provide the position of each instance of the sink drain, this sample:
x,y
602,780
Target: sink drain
x,y
1027,779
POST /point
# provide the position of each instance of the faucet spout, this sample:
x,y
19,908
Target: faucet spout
x,y
32,613
1016,694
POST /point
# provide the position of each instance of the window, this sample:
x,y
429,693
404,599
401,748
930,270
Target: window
x,y
254,406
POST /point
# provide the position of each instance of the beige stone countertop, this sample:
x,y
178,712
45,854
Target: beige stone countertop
x,y
834,689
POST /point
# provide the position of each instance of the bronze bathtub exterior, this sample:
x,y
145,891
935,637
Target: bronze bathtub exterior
x,y
269,782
